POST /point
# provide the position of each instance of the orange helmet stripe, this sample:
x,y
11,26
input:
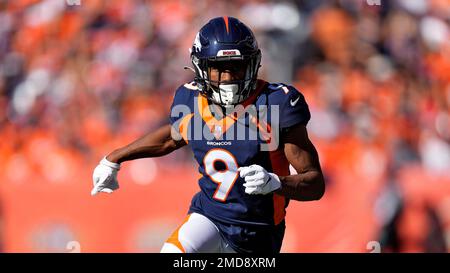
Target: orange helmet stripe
x,y
225,18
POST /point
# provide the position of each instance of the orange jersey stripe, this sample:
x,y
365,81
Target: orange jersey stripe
x,y
279,212
183,128
280,166
226,122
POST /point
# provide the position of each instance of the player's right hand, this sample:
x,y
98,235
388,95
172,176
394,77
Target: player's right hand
x,y
105,177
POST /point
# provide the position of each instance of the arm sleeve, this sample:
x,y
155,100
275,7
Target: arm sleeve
x,y
181,111
181,105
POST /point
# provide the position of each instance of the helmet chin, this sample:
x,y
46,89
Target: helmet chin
x,y
227,95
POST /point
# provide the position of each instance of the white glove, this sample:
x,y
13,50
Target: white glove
x,y
258,180
105,177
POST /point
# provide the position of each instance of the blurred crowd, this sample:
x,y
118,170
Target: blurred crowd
x,y
79,80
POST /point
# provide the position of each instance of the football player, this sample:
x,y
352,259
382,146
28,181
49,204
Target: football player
x,y
246,183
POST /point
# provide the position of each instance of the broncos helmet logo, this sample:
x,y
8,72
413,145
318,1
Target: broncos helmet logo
x,y
197,44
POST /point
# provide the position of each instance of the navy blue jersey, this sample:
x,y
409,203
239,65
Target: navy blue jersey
x,y
222,144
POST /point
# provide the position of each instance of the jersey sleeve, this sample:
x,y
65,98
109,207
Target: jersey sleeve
x,y
181,105
181,110
293,108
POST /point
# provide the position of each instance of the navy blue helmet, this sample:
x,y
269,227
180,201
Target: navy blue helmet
x,y
226,39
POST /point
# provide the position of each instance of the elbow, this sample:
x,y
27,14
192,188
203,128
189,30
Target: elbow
x,y
170,145
320,188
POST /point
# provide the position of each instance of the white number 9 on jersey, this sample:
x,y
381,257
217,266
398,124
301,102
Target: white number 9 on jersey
x,y
224,177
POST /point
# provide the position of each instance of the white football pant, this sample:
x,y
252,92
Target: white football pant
x,y
196,235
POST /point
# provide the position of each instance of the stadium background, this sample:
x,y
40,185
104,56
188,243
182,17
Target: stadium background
x,y
77,81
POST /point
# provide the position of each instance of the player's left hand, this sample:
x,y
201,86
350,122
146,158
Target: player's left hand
x,y
258,180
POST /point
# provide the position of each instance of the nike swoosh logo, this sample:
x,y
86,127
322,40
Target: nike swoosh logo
x,y
294,102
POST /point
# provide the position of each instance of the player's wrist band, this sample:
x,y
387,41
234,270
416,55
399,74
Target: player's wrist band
x,y
110,164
